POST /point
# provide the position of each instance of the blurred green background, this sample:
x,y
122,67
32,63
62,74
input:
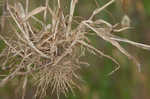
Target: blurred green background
x,y
126,83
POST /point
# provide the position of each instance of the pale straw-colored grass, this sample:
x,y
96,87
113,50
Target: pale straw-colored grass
x,y
49,54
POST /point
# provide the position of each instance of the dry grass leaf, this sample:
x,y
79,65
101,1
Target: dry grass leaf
x,y
34,12
140,45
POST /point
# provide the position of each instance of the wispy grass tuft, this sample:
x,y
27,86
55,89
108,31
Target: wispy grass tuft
x,y
49,53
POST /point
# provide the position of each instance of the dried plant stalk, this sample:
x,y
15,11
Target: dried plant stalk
x,y
49,54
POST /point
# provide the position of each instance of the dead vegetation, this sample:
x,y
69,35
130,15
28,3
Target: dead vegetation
x,y
51,53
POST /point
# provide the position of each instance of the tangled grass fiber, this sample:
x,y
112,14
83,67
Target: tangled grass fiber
x,y
50,54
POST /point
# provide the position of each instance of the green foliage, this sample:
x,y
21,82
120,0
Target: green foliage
x,y
2,46
147,6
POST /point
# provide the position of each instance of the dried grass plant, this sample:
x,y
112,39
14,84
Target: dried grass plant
x,y
50,54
